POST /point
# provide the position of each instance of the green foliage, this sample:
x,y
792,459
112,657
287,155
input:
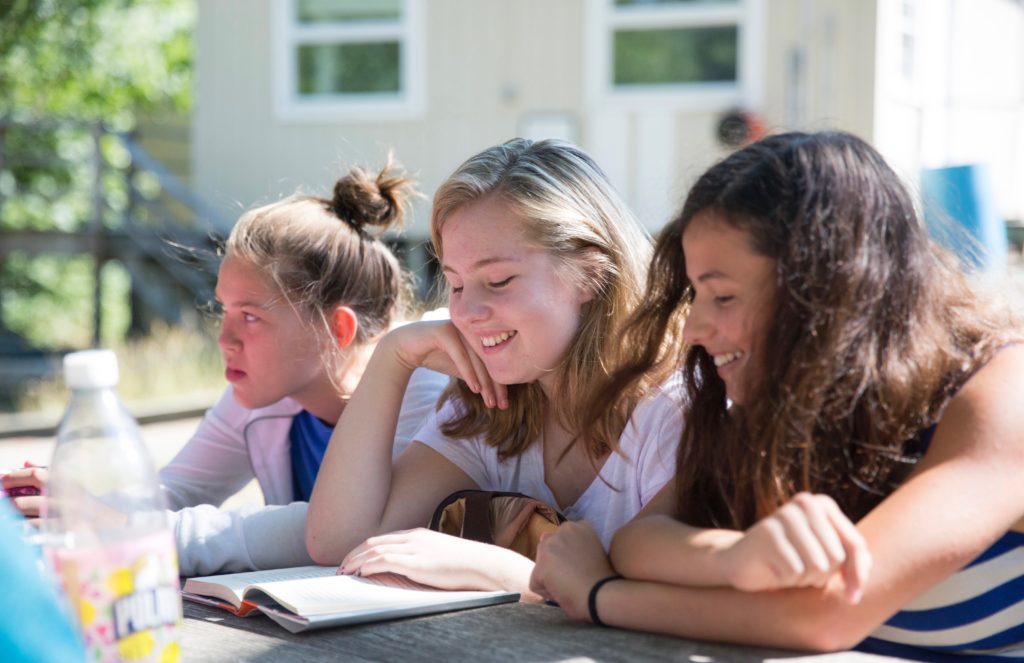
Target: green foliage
x,y
105,60
48,300
66,65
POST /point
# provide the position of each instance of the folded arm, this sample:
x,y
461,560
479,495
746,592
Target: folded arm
x,y
964,495
251,538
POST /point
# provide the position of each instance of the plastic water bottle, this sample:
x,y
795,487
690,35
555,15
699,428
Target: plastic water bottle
x,y
108,538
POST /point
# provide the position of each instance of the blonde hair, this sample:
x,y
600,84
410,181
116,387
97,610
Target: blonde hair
x,y
568,207
319,254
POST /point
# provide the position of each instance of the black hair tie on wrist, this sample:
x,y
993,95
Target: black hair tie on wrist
x,y
592,598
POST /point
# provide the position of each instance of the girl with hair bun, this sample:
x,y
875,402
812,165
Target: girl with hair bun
x,y
850,473
306,290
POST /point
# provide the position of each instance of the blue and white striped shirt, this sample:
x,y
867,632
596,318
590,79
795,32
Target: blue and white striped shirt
x,y
978,612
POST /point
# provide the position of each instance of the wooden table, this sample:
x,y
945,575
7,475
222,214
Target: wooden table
x,y
509,632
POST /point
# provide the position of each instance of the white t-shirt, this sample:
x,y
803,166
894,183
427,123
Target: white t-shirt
x,y
624,485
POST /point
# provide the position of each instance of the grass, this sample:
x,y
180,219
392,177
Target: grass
x,y
169,363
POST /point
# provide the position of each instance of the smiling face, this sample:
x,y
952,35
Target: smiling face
x,y
733,289
509,298
269,352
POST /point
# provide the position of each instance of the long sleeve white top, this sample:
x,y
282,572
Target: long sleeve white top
x,y
232,446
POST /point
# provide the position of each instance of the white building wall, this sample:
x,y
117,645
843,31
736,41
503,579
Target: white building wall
x,y
963,101
495,69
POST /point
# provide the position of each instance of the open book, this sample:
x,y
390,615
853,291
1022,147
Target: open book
x,y
308,597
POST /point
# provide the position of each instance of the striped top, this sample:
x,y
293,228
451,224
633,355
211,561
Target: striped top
x,y
978,612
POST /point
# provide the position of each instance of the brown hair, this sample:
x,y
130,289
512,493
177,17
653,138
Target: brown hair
x,y
873,328
569,208
319,253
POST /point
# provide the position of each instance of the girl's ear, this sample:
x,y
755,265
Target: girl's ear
x,y
346,324
594,270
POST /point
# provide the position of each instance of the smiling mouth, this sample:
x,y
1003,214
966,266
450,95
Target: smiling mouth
x,y
727,358
497,339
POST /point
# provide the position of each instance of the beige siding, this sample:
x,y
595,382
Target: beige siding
x,y
480,80
833,85
489,64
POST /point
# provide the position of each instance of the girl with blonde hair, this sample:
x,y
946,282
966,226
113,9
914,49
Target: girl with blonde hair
x,y
543,263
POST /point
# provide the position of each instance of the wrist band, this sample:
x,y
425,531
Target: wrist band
x,y
592,598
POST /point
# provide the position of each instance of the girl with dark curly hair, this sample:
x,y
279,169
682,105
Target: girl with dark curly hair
x,y
850,469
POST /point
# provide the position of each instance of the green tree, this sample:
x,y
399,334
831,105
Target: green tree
x,y
108,60
64,63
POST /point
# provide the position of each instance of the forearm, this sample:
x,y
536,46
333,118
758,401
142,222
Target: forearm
x,y
351,494
500,568
808,619
211,540
660,548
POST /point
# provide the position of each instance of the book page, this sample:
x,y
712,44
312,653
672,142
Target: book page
x,y
344,594
232,586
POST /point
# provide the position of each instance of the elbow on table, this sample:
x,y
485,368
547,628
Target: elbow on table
x,y
828,631
319,548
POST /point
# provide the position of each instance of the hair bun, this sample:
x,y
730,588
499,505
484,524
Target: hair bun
x,y
361,199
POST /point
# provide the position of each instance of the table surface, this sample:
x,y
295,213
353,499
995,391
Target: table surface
x,y
508,632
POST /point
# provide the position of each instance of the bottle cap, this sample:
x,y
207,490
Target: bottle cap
x,y
90,369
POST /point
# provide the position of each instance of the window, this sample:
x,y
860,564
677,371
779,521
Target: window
x,y
345,60
686,50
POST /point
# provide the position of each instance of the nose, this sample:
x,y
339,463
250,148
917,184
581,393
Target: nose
x,y
470,306
227,339
697,330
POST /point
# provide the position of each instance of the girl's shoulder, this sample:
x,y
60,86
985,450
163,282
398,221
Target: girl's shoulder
x,y
995,381
669,394
987,408
660,409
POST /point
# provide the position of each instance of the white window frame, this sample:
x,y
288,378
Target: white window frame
x,y
287,35
604,18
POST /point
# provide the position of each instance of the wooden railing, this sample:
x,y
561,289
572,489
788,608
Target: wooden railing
x,y
118,203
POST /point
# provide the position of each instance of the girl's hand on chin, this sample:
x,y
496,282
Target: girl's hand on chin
x,y
570,561
439,346
806,543
423,556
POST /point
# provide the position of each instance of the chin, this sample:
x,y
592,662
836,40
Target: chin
x,y
241,399
506,377
248,401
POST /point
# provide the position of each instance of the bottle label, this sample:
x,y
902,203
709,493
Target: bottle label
x,y
127,598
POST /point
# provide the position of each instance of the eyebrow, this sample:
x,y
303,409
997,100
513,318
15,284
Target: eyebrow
x,y
713,274
246,303
483,262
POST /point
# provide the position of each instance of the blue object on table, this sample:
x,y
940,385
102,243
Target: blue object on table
x,y
963,194
34,627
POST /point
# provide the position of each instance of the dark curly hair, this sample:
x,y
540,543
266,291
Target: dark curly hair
x,y
873,328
